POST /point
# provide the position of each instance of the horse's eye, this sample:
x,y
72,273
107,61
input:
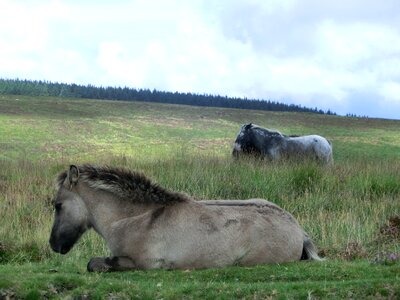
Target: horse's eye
x,y
58,206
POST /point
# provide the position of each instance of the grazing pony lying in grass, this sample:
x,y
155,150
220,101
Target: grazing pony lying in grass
x,y
273,145
147,226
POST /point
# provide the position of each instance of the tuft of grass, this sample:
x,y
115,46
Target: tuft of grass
x,y
305,178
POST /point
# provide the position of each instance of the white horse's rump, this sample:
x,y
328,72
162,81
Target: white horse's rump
x,y
313,145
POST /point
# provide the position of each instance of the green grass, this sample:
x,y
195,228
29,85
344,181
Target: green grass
x,y
333,279
344,207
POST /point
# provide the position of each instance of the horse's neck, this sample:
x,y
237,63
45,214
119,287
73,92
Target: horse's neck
x,y
105,209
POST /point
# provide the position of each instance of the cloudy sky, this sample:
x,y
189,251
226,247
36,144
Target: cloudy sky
x,y
342,55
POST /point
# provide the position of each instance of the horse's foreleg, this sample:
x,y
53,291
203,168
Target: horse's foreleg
x,y
111,264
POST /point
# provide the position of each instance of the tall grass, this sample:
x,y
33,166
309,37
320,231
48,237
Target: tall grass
x,y
348,202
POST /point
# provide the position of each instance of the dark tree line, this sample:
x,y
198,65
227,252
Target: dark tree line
x,y
55,89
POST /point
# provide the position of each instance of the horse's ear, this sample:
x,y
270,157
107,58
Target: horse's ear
x,y
248,126
73,174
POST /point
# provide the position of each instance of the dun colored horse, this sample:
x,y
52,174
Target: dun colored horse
x,y
146,226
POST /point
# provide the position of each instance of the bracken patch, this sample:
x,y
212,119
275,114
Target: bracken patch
x,y
391,230
352,251
7,294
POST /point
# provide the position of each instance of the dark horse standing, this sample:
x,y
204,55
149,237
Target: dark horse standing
x,y
273,145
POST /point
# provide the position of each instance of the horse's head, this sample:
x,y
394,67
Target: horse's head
x,y
253,139
71,214
244,142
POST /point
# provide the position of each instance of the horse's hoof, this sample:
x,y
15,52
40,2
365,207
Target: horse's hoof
x,y
98,264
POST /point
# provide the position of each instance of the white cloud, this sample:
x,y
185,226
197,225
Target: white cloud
x,y
391,92
313,53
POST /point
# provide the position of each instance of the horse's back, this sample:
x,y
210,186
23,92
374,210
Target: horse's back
x,y
313,145
256,207
310,139
248,202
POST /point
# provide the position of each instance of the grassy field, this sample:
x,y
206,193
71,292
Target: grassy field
x,y
352,210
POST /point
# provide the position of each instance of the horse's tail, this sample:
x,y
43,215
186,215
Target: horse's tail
x,y
329,156
331,153
309,250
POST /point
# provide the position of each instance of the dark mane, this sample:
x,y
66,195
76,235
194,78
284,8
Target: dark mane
x,y
131,186
268,132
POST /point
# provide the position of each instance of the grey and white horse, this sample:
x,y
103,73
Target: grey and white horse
x,y
147,226
273,145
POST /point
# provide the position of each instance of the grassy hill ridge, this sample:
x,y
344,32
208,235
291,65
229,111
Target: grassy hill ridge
x,y
51,127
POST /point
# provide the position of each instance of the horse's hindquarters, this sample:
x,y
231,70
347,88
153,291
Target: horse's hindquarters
x,y
222,235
